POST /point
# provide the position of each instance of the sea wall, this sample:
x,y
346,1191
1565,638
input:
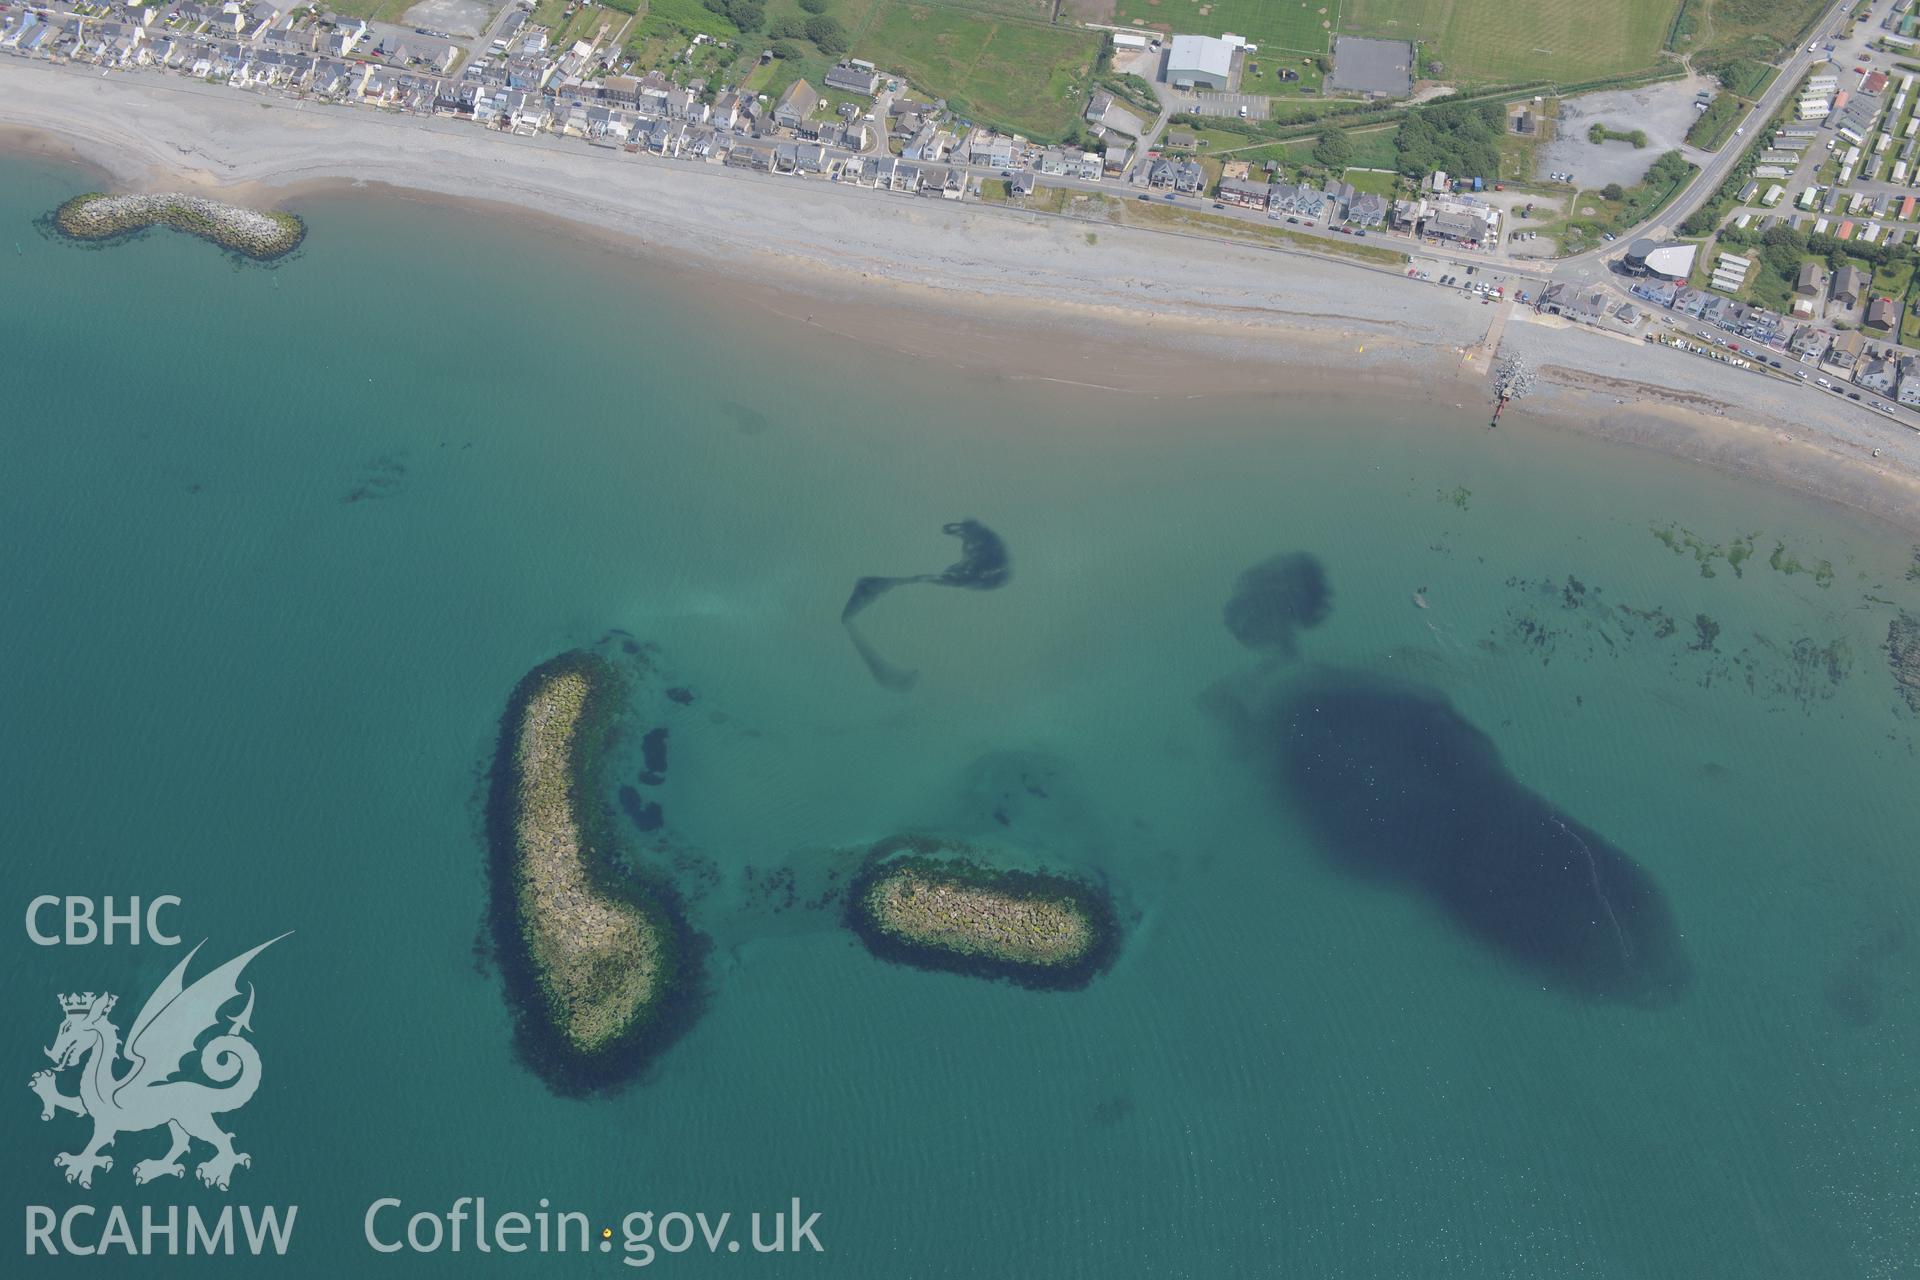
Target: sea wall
x,y
256,235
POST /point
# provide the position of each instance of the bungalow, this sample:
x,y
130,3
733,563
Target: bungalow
x,y
1812,280
796,104
1022,184
1882,314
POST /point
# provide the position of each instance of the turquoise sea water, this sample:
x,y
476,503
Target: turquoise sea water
x,y
280,542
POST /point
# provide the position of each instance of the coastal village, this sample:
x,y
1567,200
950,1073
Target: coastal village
x,y
1802,264
1819,285
860,124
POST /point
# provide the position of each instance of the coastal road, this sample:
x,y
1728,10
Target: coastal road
x,y
1715,171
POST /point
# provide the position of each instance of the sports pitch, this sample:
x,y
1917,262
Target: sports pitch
x,y
1504,41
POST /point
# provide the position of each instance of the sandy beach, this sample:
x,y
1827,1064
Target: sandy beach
x,y
1012,294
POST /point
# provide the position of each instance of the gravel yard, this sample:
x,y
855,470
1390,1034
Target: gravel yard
x,y
1663,111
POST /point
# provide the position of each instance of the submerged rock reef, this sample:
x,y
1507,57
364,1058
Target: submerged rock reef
x,y
600,966
260,236
1903,653
930,904
1398,786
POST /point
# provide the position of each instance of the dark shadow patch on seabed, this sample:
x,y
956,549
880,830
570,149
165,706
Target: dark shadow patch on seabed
x,y
1399,787
1277,598
983,566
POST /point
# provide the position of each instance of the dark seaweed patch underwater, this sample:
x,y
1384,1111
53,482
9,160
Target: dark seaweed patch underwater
x,y
1398,786
1276,598
983,566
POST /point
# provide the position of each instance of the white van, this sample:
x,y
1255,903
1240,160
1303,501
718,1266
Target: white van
x,y
1823,383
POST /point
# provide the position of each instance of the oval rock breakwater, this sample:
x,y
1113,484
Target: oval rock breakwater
x,y
260,236
1037,929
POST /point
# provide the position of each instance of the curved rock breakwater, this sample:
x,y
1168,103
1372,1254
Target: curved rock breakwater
x,y
260,236
601,968
1034,928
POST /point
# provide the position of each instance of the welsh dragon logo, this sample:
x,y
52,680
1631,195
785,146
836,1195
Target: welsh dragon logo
x,y
146,1095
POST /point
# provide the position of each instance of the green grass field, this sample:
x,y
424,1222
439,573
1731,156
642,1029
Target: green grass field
x,y
1274,25
1503,41
1019,75
393,11
1720,32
